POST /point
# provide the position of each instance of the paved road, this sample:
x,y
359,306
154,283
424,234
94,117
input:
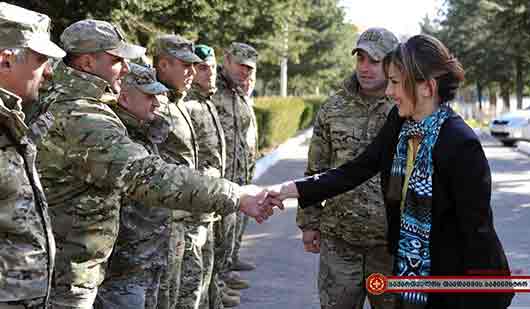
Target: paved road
x,y
511,208
286,276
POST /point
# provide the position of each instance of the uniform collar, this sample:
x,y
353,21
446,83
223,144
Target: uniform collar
x,y
199,95
175,96
128,119
69,80
351,87
11,115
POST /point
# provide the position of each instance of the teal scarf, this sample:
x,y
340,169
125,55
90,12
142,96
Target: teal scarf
x,y
413,255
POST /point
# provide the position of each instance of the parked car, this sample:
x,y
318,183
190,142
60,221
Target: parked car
x,y
512,127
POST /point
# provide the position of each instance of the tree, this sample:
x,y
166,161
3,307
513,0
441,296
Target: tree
x,y
319,39
491,39
327,57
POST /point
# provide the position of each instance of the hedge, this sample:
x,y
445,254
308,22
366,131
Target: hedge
x,y
280,118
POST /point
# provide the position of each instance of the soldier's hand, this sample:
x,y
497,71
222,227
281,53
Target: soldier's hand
x,y
311,239
258,203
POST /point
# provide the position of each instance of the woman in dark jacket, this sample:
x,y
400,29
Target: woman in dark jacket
x,y
435,178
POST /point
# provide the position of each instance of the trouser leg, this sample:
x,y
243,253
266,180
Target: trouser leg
x,y
170,281
241,225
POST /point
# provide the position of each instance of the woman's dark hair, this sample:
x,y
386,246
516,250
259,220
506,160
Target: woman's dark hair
x,y
423,57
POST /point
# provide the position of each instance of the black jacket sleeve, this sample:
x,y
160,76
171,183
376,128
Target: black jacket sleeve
x,y
319,187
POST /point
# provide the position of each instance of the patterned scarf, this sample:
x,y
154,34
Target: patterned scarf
x,y
413,255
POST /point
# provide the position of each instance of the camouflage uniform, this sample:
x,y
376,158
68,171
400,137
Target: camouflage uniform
x,y
211,160
140,254
27,246
181,148
345,125
188,235
87,162
352,225
28,258
239,124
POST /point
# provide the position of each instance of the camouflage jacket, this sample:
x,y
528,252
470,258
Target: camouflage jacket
x,y
345,125
143,237
180,147
88,160
181,144
240,128
210,137
210,134
27,247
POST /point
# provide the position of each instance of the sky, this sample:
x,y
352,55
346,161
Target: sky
x,y
399,16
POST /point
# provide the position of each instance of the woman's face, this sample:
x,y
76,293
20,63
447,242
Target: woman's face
x,y
396,90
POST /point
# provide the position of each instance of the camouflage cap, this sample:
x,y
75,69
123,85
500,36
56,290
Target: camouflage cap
x,y
204,52
176,46
22,28
243,54
144,79
90,36
377,42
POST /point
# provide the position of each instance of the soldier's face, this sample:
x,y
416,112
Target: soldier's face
x,y
141,105
370,73
176,73
239,73
24,76
396,90
250,83
111,69
206,74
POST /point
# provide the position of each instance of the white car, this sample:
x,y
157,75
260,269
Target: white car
x,y
512,127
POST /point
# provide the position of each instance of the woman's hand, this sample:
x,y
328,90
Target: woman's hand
x,y
285,190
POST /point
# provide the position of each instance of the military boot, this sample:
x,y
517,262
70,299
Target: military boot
x,y
240,265
231,292
230,301
234,281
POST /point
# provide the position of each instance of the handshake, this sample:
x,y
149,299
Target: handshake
x,y
259,202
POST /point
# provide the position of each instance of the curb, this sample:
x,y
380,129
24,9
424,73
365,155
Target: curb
x,y
263,164
524,147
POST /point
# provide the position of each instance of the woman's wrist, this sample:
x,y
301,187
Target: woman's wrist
x,y
289,190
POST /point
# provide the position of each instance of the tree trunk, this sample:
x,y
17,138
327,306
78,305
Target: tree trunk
x,y
505,95
492,91
479,95
519,82
284,60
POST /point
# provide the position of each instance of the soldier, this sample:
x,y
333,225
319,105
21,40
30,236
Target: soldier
x,y
351,240
27,247
239,124
88,163
140,254
211,160
174,59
